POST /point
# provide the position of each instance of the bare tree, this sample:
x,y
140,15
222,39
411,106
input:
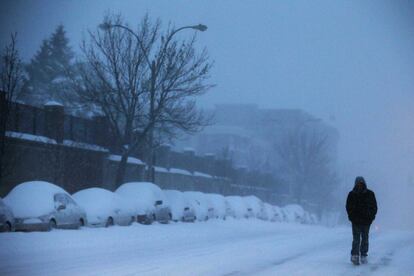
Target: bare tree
x,y
178,76
11,77
306,162
140,97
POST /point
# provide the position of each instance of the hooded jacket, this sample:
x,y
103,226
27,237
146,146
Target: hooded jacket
x,y
361,204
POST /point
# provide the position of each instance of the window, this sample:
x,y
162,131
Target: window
x,y
61,199
69,200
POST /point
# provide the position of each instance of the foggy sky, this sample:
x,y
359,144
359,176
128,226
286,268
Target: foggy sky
x,y
351,61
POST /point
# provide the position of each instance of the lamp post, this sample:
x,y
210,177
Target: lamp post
x,y
154,66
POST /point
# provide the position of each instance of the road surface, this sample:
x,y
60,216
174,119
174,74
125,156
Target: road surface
x,y
245,247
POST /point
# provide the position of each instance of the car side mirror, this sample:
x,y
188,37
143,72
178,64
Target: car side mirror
x,y
61,207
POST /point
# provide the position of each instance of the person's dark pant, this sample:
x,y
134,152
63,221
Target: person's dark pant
x,y
360,239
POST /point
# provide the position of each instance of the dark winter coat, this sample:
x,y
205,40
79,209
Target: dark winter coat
x,y
361,205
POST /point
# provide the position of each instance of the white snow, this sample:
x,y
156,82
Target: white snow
x,y
82,145
142,196
53,103
131,160
100,204
32,221
30,137
216,247
177,202
179,171
255,204
32,199
235,206
199,204
294,213
161,169
219,204
200,174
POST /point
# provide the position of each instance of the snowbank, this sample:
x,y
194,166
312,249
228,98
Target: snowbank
x,y
32,199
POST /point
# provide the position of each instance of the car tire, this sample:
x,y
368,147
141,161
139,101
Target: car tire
x,y
52,225
109,222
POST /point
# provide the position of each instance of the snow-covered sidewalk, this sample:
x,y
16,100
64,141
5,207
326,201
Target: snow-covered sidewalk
x,y
245,247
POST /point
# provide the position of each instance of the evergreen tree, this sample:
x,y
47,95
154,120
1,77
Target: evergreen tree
x,y
47,71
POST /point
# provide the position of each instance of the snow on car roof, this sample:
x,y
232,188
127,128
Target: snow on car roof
x,y
294,208
141,194
99,201
32,199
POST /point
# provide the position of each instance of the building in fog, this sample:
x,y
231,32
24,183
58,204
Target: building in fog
x,y
248,135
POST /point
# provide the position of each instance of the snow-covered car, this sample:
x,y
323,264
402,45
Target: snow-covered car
x,y
219,204
314,219
181,209
6,218
294,213
270,212
202,206
39,205
147,200
278,214
236,207
255,207
104,208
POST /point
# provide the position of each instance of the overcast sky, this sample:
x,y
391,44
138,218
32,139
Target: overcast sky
x,y
352,61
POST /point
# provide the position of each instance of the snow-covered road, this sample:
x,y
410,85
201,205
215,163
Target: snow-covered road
x,y
211,248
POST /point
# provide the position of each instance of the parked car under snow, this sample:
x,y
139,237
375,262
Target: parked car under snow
x,y
255,207
147,200
278,214
294,213
181,209
6,218
104,208
236,207
219,204
202,206
39,205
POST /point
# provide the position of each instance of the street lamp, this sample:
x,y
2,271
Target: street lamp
x,y
154,68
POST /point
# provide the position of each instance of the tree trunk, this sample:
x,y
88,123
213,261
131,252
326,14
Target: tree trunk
x,y
120,173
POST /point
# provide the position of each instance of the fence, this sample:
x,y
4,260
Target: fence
x,y
78,156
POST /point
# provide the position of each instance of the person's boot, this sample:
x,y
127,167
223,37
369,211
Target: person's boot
x,y
364,260
355,259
